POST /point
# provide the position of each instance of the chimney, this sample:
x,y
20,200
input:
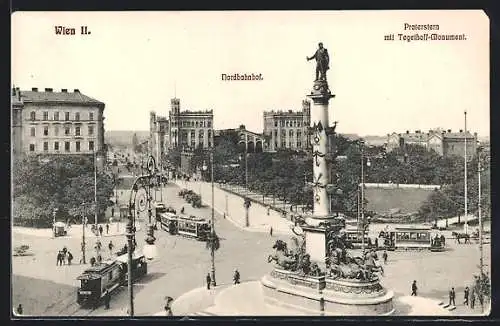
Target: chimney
x,y
49,90
64,90
34,89
407,131
461,131
76,90
449,130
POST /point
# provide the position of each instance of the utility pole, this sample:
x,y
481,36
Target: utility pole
x,y
95,189
84,218
466,226
362,199
212,249
480,219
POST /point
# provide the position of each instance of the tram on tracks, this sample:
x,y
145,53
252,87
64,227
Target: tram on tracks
x,y
412,238
353,236
108,276
188,226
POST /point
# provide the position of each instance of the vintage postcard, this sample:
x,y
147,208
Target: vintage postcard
x,y
250,163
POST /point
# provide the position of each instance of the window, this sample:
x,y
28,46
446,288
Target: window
x,y
290,133
45,115
283,143
77,116
66,146
45,145
275,123
77,131
32,132
77,146
299,144
56,146
66,116
299,134
67,131
56,131
56,116
33,115
91,130
45,131
32,147
91,115
209,124
91,145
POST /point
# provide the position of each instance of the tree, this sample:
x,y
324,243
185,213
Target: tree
x,y
42,184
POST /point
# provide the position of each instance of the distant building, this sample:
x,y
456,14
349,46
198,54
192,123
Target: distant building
x,y
49,122
184,130
255,142
445,143
288,129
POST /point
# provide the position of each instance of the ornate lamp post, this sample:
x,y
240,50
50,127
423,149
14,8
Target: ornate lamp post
x,y
84,222
149,250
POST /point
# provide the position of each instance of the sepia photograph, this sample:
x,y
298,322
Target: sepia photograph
x,y
250,163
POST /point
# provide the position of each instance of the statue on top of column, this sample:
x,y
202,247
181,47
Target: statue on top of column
x,y
322,62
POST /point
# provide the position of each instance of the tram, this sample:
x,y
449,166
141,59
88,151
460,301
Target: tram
x,y
408,238
189,226
354,238
108,276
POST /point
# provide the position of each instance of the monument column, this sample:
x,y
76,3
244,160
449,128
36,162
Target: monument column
x,y
318,132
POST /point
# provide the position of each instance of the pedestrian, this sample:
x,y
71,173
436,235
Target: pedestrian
x,y
58,258
100,230
65,252
112,212
107,228
384,255
182,210
70,258
236,277
472,298
92,261
209,279
19,309
99,259
107,299
271,231
268,210
466,296
414,288
111,246
376,242
452,296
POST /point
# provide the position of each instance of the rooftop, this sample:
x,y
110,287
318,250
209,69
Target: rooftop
x,y
49,95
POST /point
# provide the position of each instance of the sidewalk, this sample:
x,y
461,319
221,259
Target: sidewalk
x,y
115,229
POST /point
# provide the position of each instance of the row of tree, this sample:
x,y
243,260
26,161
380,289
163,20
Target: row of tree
x,y
287,174
44,184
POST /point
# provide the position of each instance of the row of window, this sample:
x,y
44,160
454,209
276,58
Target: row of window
x,y
67,131
67,146
194,123
285,144
45,116
201,134
288,123
290,133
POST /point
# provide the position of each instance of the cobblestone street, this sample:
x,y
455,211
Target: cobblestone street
x,y
183,263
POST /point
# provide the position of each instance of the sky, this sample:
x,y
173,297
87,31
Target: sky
x,y
135,62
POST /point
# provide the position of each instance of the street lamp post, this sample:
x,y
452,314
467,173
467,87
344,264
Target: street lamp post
x,y
362,198
84,222
212,251
146,182
480,219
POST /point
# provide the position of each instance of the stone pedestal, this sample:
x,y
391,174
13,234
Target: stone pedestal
x,y
319,296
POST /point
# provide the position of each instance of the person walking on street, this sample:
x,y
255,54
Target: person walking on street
x,y
209,279
107,228
70,258
384,255
271,231
112,212
236,277
19,309
111,246
414,288
452,297
92,261
58,258
107,299
472,298
466,296
100,230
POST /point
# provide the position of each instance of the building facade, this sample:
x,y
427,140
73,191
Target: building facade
x,y
443,142
50,122
288,129
184,130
